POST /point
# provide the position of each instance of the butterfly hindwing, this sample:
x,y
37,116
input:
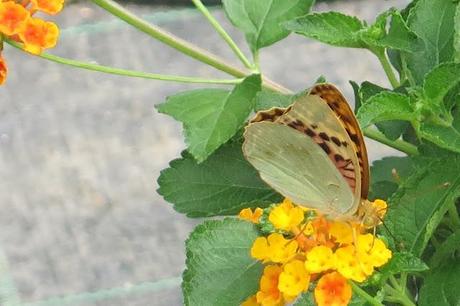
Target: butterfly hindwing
x,y
294,165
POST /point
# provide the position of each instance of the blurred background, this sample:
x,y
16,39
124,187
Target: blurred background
x,y
80,151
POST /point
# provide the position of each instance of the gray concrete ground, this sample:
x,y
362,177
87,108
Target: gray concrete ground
x,y
80,151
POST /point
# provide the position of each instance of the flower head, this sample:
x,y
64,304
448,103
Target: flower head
x,y
286,216
249,215
38,35
332,290
12,17
51,7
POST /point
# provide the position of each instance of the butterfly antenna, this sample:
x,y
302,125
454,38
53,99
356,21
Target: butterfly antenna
x,y
396,240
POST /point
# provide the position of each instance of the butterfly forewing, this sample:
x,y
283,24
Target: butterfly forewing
x,y
342,110
294,165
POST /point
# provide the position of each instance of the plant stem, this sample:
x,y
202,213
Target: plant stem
x,y
380,53
180,44
398,296
398,144
130,73
202,8
364,294
453,215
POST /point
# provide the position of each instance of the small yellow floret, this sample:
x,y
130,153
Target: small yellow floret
x,y
286,215
248,215
294,279
269,294
320,259
274,248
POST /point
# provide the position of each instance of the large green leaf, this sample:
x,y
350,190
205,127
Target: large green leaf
x,y
403,262
331,28
436,86
440,287
457,35
385,106
220,270
261,20
221,185
421,201
433,22
212,116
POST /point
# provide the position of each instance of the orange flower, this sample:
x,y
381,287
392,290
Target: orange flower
x,y
12,17
248,215
38,34
3,70
332,290
269,294
51,7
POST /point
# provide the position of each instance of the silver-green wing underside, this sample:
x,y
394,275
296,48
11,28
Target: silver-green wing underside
x,y
294,165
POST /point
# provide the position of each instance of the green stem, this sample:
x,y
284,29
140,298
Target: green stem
x,y
396,295
453,215
380,53
202,8
371,300
130,73
398,144
180,44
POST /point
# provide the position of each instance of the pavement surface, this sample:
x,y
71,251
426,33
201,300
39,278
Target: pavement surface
x,y
80,151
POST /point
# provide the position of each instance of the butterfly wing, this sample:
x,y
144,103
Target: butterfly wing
x,y
337,102
294,165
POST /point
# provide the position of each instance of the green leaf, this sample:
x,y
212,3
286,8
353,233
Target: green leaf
x,y
220,270
457,35
384,182
306,299
399,36
440,287
433,22
212,116
267,99
222,185
445,137
439,82
403,262
421,201
261,20
446,249
386,106
331,28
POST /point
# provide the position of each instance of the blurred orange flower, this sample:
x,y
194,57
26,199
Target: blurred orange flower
x,y
12,17
38,35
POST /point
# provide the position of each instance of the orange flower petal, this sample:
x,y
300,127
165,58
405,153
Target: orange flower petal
x,y
38,34
12,17
51,7
333,290
3,70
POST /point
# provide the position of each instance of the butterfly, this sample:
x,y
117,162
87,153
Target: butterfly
x,y
313,153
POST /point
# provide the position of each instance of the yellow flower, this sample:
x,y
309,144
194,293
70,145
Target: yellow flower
x,y
275,248
51,7
373,248
294,279
12,17
380,207
250,301
285,216
333,290
269,294
38,34
3,70
248,215
320,259
349,265
342,232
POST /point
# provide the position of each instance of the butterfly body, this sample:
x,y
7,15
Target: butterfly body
x,y
313,153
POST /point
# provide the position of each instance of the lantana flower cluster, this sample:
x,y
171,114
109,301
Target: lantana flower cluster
x,y
303,249
17,22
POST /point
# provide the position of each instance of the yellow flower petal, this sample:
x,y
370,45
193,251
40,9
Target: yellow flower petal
x,y
320,259
294,279
286,215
